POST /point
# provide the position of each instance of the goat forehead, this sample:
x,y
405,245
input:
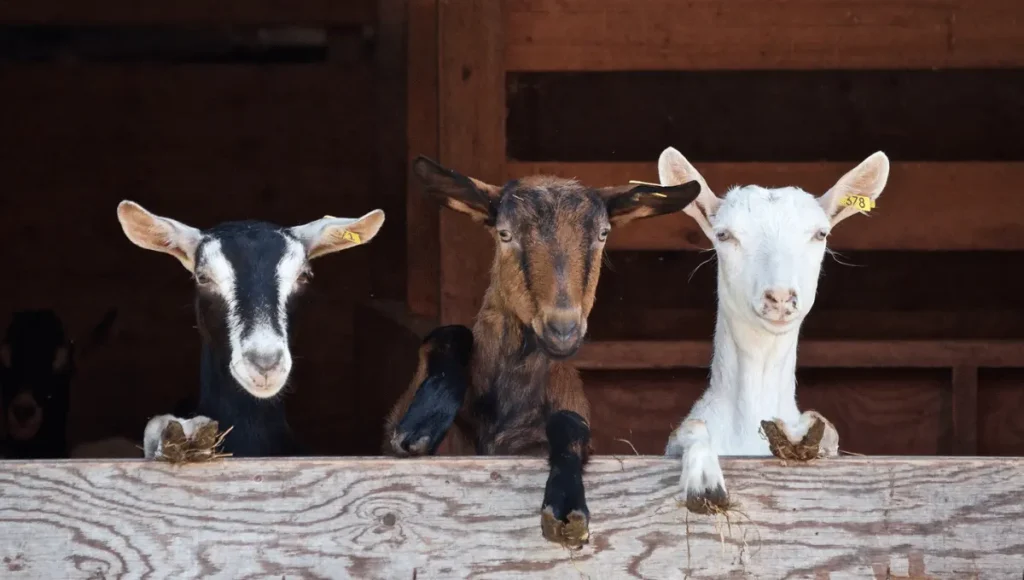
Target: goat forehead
x,y
251,250
783,210
549,205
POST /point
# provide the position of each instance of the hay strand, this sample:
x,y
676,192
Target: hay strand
x,y
202,447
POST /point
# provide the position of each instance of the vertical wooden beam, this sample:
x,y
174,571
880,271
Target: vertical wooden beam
x,y
422,227
965,409
388,185
471,79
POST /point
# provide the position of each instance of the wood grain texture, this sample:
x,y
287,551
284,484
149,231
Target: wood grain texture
x,y
423,278
586,35
456,518
667,354
925,206
127,12
471,81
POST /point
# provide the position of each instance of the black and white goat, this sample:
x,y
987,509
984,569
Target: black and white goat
x,y
247,276
37,364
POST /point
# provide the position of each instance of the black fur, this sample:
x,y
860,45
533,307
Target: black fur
x,y
259,427
568,437
30,384
441,393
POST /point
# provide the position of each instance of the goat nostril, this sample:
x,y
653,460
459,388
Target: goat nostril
x,y
265,361
563,329
777,297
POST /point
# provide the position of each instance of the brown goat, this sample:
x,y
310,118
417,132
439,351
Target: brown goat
x,y
523,397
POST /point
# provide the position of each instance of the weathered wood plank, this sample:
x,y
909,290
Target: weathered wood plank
x,y
128,12
667,354
471,81
473,517
953,219
585,35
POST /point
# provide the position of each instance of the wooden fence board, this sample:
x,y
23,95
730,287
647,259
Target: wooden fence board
x,y
666,354
925,206
587,35
455,518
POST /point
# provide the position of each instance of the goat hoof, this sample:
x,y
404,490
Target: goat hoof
x,y
820,440
573,531
708,501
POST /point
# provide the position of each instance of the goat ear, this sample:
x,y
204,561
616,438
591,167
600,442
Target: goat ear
x,y
674,168
867,179
331,234
463,194
630,202
159,234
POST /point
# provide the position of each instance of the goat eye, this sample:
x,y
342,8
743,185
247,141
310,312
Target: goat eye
x,y
202,279
603,234
304,277
820,235
723,236
505,235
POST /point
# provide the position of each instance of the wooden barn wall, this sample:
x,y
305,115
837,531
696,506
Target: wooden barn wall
x,y
203,140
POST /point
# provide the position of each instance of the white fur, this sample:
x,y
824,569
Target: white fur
x,y
152,440
768,247
263,338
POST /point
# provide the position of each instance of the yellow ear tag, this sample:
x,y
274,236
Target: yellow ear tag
x,y
861,203
347,236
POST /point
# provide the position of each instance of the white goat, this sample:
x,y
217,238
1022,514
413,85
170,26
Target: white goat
x,y
770,244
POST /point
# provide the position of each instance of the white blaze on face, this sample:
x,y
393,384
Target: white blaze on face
x,y
770,245
260,359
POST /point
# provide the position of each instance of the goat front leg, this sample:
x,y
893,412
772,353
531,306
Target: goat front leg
x,y
811,437
565,517
701,480
423,415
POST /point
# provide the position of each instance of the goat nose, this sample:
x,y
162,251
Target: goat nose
x,y
777,297
23,413
265,361
563,329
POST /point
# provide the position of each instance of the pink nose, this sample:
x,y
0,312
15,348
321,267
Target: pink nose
x,y
780,299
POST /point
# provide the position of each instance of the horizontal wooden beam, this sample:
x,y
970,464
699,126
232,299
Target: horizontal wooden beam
x,y
925,206
469,517
669,354
132,12
589,35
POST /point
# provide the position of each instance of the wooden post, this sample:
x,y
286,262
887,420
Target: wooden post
x,y
422,227
965,409
471,81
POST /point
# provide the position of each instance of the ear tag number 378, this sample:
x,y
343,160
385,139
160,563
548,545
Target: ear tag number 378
x,y
859,202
